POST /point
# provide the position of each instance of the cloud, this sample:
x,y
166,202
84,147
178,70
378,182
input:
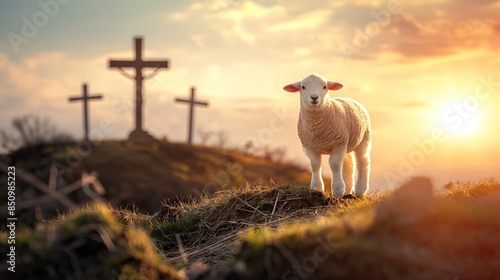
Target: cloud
x,y
42,58
246,19
420,31
250,10
22,80
442,37
199,40
231,19
309,20
177,16
214,71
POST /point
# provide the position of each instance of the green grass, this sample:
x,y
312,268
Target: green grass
x,y
90,244
183,226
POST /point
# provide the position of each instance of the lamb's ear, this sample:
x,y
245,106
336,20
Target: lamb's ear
x,y
334,85
292,87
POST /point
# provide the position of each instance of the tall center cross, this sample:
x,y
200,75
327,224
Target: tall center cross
x,y
138,64
192,102
85,98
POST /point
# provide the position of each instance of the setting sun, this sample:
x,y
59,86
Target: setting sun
x,y
460,119
460,122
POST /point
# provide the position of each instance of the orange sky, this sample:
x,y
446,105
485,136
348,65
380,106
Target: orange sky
x,y
427,73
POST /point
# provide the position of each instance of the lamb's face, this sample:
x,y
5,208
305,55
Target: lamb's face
x,y
313,90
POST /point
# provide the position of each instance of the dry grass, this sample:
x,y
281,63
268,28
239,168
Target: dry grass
x,y
455,240
208,229
467,190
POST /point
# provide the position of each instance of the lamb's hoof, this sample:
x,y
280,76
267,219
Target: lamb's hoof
x,y
349,196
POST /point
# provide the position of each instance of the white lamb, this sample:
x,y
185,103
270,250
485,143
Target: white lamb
x,y
339,127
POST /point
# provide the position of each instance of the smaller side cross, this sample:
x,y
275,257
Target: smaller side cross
x,y
192,102
85,98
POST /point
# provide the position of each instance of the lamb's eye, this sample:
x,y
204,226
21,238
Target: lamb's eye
x,y
324,87
303,87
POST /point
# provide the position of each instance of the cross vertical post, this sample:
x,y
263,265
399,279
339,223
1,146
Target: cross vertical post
x,y
85,113
191,115
85,98
138,85
192,102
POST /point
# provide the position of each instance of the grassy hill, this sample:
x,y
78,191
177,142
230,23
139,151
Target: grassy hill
x,y
267,231
145,174
261,229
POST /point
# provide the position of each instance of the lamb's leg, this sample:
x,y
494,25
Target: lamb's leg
x,y
336,160
315,159
348,172
362,154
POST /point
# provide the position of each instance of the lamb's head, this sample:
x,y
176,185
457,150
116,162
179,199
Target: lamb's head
x,y
313,90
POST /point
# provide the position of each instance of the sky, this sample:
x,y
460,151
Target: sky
x,y
427,72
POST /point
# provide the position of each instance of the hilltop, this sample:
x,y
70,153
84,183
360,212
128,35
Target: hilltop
x,y
276,232
144,175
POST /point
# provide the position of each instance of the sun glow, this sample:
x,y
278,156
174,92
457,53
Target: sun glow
x,y
460,120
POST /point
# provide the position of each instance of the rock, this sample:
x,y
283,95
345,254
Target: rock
x,y
349,196
141,136
409,204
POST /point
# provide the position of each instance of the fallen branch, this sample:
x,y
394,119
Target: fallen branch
x,y
34,181
85,183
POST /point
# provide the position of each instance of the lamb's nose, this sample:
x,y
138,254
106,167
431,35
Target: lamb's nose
x,y
314,97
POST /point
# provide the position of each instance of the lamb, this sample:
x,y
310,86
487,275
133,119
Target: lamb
x,y
339,127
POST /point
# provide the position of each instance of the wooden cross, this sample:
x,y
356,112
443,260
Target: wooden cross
x,y
192,103
138,64
85,98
